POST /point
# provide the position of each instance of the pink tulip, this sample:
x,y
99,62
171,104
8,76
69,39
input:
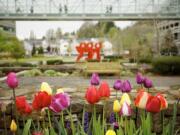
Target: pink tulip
x,y
125,110
12,80
59,102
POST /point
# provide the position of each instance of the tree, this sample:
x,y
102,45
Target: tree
x,y
33,50
11,45
40,50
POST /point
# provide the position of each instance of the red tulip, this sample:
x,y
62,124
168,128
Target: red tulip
x,y
37,133
104,90
164,103
12,80
23,106
141,99
41,100
92,95
153,105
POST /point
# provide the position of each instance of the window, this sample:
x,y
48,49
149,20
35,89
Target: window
x,y
175,36
176,24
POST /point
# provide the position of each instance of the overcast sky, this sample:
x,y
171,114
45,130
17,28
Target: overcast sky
x,y
23,28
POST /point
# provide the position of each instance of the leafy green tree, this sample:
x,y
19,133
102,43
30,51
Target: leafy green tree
x,y
40,50
33,50
11,45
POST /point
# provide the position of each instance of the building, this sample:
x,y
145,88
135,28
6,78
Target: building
x,y
64,46
174,27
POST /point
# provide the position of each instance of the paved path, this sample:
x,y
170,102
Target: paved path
x,y
78,81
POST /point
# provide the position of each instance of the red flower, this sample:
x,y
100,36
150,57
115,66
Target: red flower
x,y
22,105
104,90
153,104
164,103
41,100
92,95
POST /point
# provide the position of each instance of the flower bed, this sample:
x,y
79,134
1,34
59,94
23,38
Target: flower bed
x,y
51,112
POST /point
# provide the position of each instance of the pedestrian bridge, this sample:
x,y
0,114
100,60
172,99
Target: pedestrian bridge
x,y
89,9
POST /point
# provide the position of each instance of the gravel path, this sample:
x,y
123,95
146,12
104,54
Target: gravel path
x,y
81,81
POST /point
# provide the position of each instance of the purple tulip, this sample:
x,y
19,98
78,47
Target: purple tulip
x,y
12,80
139,78
95,80
126,86
117,85
147,83
59,102
116,125
112,118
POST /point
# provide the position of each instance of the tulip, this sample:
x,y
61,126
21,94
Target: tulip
x,y
126,86
45,87
116,106
104,90
22,106
110,132
147,83
125,98
153,105
112,118
139,78
116,125
13,126
37,133
59,102
41,100
164,103
86,122
141,99
12,80
92,95
59,91
125,110
117,85
95,80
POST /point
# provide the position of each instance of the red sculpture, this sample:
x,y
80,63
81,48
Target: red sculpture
x,y
90,48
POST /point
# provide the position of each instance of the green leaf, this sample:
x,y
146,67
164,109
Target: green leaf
x,y
27,127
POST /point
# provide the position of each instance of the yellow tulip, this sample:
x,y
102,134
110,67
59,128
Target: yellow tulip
x,y
125,98
45,87
59,91
13,126
110,132
116,106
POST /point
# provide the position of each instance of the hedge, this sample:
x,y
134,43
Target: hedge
x,y
16,64
167,65
54,62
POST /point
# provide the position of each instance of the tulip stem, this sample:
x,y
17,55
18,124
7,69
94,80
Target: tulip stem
x,y
104,114
136,116
15,108
5,124
72,124
116,94
49,118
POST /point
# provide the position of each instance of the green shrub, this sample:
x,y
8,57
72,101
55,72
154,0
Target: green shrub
x,y
93,60
54,62
33,72
167,65
145,60
112,58
50,73
16,64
